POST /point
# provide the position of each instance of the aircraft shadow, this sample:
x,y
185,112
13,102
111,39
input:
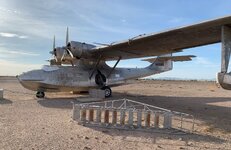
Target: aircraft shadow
x,y
202,108
216,117
5,101
62,103
151,137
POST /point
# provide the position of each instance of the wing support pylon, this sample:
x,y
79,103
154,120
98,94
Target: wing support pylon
x,y
95,67
223,77
114,67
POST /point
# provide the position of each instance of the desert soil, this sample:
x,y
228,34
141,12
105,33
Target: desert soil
x,y
29,123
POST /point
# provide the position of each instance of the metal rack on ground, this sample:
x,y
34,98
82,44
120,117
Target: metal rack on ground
x,y
129,114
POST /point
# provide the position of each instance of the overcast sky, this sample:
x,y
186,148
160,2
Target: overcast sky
x,y
27,29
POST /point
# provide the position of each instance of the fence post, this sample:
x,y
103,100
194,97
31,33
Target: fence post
x,y
83,115
76,112
139,118
98,115
122,117
156,121
147,119
106,116
114,116
167,120
91,115
130,117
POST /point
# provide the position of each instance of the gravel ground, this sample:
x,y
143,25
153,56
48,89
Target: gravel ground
x,y
28,123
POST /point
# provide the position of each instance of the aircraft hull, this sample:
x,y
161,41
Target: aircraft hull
x,y
67,78
44,87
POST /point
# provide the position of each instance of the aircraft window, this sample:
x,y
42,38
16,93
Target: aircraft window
x,y
50,68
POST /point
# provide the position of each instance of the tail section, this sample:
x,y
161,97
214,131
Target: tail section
x,y
158,65
164,62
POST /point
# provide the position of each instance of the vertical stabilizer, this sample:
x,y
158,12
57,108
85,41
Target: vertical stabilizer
x,y
168,65
161,64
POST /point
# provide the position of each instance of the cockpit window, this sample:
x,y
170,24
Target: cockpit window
x,y
50,68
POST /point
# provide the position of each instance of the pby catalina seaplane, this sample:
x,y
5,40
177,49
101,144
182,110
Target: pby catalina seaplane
x,y
87,68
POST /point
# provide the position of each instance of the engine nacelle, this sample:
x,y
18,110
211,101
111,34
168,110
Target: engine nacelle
x,y
58,53
80,50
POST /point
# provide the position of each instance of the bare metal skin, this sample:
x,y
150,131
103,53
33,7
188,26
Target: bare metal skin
x,y
88,68
76,78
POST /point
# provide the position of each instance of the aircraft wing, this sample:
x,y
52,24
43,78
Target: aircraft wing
x,y
173,58
169,41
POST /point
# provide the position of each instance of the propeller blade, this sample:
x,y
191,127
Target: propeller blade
x,y
64,54
53,52
67,37
56,59
70,53
54,43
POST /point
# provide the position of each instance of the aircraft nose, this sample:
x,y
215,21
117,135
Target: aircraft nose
x,y
30,76
23,77
19,77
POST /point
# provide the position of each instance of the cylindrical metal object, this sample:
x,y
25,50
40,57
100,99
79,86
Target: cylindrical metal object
x,y
91,115
76,112
83,114
130,117
139,119
122,117
114,116
167,120
98,115
147,119
156,121
106,116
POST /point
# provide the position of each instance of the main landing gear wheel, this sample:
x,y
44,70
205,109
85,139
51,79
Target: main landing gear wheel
x,y
107,91
100,79
40,94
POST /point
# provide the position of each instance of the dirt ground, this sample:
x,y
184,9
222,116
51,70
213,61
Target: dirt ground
x,y
28,123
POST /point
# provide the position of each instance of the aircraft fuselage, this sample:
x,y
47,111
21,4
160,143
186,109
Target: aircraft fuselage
x,y
78,78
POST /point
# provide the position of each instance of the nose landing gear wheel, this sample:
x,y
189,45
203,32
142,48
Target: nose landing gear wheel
x,y
40,94
107,91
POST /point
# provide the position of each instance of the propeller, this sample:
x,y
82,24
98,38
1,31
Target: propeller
x,y
67,36
54,50
62,54
67,51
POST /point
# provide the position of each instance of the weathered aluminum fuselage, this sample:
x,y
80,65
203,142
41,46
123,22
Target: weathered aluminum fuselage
x,y
77,78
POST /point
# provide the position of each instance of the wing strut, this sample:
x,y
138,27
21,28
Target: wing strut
x,y
226,48
96,65
223,77
114,67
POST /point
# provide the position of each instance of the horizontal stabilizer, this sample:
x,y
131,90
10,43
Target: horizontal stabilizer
x,y
173,58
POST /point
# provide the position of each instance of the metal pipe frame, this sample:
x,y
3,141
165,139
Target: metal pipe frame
x,y
124,106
